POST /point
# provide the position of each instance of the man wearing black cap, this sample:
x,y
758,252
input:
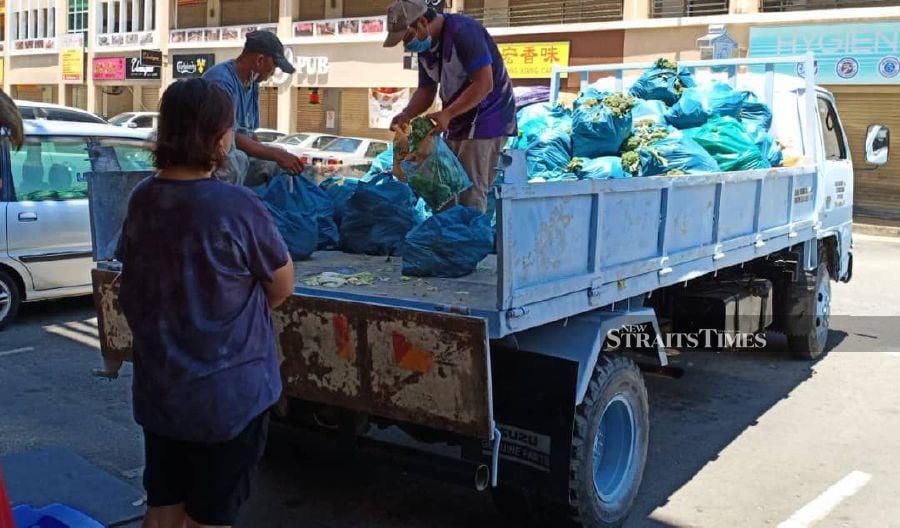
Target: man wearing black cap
x,y
240,77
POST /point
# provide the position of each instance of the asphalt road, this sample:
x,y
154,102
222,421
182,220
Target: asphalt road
x,y
742,439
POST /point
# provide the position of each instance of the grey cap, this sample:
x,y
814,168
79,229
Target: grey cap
x,y
400,15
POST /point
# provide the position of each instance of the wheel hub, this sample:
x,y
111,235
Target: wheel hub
x,y
823,310
5,301
614,448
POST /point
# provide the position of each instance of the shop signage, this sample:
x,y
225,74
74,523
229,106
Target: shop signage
x,y
187,66
109,69
311,65
340,27
73,65
71,40
228,35
384,104
134,69
866,53
151,58
533,60
117,40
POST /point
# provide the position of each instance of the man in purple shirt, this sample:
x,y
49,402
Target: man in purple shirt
x,y
459,60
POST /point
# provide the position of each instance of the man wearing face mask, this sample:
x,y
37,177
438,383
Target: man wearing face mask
x,y
459,59
240,77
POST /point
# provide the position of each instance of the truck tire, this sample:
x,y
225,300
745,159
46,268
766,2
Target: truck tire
x,y
810,305
10,298
609,444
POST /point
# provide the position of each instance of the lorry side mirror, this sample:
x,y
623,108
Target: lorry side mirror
x,y
878,142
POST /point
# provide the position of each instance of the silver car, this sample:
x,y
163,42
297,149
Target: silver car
x,y
45,244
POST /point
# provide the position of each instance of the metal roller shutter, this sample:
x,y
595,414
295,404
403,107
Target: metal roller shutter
x,y
29,93
877,190
149,99
76,96
364,8
355,115
268,108
310,117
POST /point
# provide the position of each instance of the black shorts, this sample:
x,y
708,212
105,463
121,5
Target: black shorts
x,y
212,480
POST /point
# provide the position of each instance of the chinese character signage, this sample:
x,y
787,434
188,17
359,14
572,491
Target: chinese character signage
x,y
188,66
73,65
135,69
867,53
384,104
533,60
109,69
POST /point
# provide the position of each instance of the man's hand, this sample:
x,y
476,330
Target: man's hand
x,y
400,120
441,120
290,163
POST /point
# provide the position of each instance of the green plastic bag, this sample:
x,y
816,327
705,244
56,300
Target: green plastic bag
x,y
729,143
427,163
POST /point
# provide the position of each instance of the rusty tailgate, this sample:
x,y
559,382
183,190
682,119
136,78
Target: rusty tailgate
x,y
426,368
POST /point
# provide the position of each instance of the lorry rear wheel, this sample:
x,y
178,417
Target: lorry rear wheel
x,y
811,303
609,443
10,297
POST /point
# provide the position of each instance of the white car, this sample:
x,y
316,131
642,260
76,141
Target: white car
x,y
45,227
347,151
304,142
55,112
268,135
136,120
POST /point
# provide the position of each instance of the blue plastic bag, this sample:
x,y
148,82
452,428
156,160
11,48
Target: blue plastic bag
x,y
535,119
297,223
662,83
755,112
676,154
605,168
339,189
449,244
551,150
596,131
383,162
733,148
652,111
378,216
697,105
591,92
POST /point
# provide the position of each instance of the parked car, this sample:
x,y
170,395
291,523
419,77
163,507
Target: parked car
x,y
267,135
304,142
45,231
136,120
54,112
347,151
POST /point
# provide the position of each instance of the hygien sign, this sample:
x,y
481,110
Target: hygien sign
x,y
861,53
533,60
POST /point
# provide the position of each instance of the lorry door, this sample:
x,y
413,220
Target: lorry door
x,y
48,228
837,168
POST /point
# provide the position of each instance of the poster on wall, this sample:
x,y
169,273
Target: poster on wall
x,y
73,65
533,60
384,104
189,66
866,53
108,69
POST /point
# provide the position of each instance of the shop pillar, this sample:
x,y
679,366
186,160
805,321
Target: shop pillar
x,y
287,102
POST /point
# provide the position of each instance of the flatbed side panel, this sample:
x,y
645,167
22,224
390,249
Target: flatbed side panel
x,y
115,336
413,366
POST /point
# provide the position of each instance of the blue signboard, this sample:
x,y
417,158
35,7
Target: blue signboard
x,y
863,53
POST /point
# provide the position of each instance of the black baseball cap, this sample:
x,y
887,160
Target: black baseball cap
x,y
267,43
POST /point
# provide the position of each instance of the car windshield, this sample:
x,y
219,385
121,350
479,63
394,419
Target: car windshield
x,y
293,140
345,145
120,119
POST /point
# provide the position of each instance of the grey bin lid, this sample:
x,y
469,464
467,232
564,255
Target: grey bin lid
x,y
108,194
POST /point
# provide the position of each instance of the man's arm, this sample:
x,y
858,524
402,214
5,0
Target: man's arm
x,y
419,103
482,86
283,158
282,285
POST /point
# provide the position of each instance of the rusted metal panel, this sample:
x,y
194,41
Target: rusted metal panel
x,y
115,336
412,366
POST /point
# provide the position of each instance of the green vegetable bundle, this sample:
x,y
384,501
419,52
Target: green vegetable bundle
x,y
424,160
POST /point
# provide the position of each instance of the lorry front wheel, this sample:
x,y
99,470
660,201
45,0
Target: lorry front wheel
x,y
10,297
811,304
609,443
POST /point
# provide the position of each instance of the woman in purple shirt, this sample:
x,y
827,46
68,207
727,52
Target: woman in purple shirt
x,y
202,267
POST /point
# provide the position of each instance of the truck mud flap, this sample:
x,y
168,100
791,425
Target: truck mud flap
x,y
424,368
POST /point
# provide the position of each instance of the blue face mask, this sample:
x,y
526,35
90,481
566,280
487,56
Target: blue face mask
x,y
417,45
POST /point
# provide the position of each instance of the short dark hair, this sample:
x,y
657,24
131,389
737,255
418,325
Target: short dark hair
x,y
430,14
194,114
